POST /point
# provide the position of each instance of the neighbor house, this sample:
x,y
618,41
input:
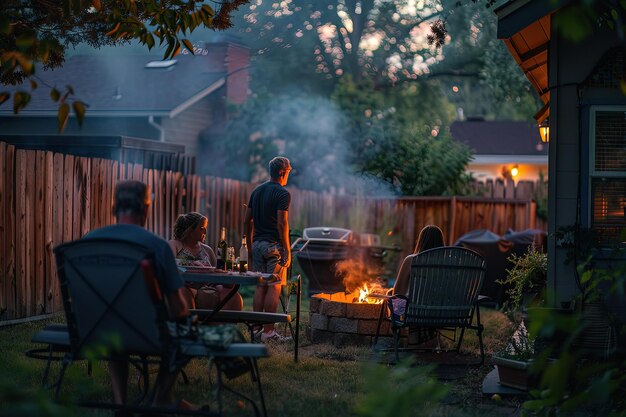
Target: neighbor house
x,y
502,149
139,96
580,84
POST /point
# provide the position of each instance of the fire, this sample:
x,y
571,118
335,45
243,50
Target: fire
x,y
360,279
365,291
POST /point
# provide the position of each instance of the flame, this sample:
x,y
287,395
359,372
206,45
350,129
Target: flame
x,y
365,291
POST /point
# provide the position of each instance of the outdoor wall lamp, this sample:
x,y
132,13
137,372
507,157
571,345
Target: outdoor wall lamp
x,y
544,130
514,171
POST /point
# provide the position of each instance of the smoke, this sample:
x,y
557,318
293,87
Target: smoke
x,y
314,133
355,272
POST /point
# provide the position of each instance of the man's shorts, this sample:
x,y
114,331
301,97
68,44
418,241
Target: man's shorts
x,y
266,257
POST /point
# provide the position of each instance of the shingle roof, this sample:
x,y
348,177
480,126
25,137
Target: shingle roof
x,y
499,137
96,80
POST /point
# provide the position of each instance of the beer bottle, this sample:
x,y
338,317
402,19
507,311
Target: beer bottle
x,y
243,255
222,250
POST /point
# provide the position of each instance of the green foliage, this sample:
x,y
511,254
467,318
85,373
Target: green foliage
x,y
528,275
418,164
18,401
36,33
575,383
402,390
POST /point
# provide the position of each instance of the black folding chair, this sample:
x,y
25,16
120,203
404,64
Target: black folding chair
x,y
444,288
113,312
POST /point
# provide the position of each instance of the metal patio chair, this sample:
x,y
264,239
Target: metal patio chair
x,y
114,310
444,288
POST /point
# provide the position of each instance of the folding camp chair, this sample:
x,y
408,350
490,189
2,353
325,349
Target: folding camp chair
x,y
114,311
444,288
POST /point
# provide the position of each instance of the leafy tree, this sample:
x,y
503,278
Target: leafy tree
x,y
417,164
37,32
302,43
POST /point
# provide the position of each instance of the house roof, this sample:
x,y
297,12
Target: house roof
x,y
123,85
501,138
524,25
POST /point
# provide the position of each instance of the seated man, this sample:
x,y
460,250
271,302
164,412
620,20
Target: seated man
x,y
131,203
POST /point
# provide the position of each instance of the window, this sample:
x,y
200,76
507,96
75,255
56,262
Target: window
x,y
608,174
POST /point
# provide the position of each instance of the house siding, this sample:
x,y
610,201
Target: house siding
x,y
569,139
185,128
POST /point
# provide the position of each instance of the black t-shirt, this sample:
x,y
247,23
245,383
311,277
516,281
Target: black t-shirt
x,y
265,201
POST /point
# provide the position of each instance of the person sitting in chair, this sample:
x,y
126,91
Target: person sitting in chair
x,y
430,237
188,246
131,204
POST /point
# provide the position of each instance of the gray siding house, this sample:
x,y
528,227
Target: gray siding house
x,y
579,83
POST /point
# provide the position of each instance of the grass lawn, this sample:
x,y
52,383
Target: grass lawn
x,y
327,381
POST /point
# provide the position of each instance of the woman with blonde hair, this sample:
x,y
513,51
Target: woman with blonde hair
x,y
188,245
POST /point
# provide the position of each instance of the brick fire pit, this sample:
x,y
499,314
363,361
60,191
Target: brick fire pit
x,y
336,319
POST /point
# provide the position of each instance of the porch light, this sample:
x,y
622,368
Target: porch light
x,y
514,171
544,130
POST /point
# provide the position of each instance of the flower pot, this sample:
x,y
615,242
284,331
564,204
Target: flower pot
x,y
513,373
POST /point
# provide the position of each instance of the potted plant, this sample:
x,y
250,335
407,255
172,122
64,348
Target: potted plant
x,y
526,279
513,363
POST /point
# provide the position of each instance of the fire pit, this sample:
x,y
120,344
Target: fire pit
x,y
342,274
340,319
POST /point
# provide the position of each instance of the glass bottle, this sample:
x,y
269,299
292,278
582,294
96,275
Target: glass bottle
x,y
243,255
222,250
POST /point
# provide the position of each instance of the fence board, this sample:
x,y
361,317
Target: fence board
x,y
39,243
50,281
20,234
109,185
85,218
9,256
57,213
68,198
77,197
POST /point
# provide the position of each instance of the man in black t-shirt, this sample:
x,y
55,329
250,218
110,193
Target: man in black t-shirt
x,y
266,226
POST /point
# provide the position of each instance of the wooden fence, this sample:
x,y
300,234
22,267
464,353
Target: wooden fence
x,y
49,198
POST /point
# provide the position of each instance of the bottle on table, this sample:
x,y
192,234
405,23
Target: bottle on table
x,y
222,250
243,255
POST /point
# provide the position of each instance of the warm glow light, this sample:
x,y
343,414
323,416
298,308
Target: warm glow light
x,y
365,291
544,131
455,89
514,171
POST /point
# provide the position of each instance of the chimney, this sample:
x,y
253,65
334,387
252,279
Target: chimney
x,y
235,61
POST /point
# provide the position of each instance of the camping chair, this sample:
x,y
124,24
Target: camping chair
x,y
444,288
102,283
57,340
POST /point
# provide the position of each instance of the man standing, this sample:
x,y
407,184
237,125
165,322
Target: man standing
x,y
131,204
266,226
